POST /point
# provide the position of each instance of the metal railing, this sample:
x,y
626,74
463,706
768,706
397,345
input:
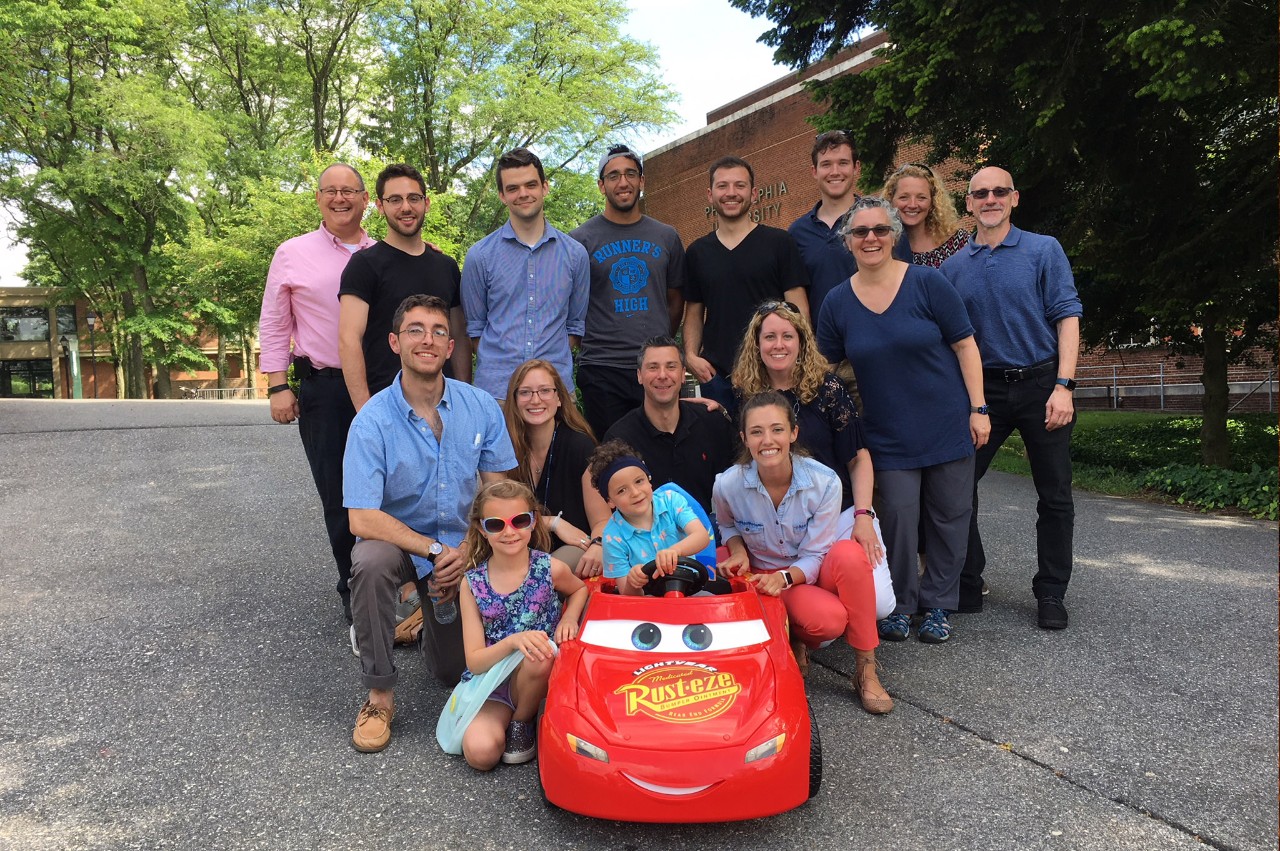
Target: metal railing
x,y
220,393
1151,379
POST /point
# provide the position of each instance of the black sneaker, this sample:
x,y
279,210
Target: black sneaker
x,y
521,743
1053,615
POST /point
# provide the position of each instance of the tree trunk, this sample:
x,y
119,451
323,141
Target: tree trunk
x,y
1215,443
136,372
249,359
222,358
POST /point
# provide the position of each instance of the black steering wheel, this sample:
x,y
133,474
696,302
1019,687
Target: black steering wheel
x,y
686,580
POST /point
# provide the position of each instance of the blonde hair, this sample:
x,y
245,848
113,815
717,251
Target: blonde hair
x,y
749,373
942,220
477,541
568,414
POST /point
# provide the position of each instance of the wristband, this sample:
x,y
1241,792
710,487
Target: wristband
x,y
985,410
870,512
1068,383
277,388
554,521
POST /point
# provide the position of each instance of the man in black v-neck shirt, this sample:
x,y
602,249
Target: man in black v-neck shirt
x,y
379,278
729,273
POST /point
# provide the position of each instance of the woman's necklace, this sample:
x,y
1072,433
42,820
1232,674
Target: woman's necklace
x,y
541,484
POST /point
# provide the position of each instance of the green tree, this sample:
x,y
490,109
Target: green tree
x,y
1141,133
91,138
467,80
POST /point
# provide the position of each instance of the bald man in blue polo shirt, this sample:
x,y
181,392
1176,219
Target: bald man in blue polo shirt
x,y
1025,311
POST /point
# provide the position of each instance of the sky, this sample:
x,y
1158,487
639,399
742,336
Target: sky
x,y
708,53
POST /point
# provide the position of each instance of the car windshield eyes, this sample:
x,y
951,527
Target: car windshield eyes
x,y
670,638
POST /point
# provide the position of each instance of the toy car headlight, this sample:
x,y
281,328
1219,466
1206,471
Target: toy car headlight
x,y
766,749
585,748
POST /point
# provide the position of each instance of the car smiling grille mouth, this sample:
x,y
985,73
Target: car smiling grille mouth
x,y
667,790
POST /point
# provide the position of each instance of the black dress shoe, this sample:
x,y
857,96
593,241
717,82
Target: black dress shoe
x,y
1053,615
346,609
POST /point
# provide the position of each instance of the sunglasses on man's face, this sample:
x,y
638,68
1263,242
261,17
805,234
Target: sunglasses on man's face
x,y
999,192
495,525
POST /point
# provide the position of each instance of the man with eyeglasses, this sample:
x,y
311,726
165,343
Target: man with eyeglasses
x,y
1025,310
299,325
380,277
524,286
418,452
637,274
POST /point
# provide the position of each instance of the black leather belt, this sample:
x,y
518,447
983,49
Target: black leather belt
x,y
1009,376
303,369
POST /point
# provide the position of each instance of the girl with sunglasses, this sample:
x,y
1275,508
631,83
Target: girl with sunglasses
x,y
510,602
931,228
906,332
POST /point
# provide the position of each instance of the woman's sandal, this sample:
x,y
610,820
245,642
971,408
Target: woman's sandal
x,y
866,685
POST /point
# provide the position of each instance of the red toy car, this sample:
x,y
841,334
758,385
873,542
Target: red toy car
x,y
680,708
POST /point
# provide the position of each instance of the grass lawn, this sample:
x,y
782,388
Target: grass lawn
x,y
1113,452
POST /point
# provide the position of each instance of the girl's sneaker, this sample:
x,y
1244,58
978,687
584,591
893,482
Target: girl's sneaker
x,y
521,743
894,628
935,628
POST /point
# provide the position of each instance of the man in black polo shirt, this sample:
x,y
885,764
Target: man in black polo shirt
x,y
687,444
378,278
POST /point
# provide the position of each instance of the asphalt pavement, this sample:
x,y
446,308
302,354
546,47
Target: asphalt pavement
x,y
176,674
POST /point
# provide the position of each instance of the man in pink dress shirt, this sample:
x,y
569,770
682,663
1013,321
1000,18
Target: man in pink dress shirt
x,y
300,305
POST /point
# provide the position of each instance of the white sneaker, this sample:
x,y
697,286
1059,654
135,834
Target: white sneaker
x,y
355,648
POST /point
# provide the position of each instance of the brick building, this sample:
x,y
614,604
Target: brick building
x,y
769,128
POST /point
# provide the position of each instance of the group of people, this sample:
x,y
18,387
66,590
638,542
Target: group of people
x,y
493,495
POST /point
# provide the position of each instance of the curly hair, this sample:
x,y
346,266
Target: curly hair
x,y
568,414
749,373
480,550
605,454
942,220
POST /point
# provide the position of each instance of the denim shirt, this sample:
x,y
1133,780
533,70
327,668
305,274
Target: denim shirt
x,y
395,464
798,533
524,302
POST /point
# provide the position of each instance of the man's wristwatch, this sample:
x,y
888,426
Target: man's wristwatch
x,y
277,388
434,550
1069,383
985,410
870,512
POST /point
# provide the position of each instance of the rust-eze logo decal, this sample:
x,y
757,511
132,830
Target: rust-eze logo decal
x,y
679,692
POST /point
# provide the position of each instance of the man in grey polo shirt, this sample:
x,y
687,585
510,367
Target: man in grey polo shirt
x,y
637,273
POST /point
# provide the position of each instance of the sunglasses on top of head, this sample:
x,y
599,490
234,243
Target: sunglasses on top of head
x,y
770,306
519,522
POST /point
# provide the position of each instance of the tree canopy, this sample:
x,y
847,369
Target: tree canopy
x,y
1141,134
155,154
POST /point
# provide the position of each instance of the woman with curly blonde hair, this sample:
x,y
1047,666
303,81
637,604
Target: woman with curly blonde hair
x,y
931,227
552,442
780,352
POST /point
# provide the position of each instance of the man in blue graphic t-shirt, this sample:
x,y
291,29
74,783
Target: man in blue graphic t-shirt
x,y
637,274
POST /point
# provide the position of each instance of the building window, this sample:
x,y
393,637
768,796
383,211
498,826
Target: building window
x,y
26,379
67,320
24,323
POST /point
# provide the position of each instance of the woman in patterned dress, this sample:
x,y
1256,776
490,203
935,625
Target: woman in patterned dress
x,y
931,231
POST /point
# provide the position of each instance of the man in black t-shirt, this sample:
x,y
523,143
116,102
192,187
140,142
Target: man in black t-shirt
x,y
729,273
683,443
380,277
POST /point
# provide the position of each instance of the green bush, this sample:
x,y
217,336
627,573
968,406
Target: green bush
x,y
1209,488
1138,443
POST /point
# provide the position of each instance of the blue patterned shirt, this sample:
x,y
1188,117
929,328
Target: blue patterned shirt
x,y
395,464
524,303
625,546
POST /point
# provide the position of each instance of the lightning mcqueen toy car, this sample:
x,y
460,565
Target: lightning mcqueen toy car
x,y
679,709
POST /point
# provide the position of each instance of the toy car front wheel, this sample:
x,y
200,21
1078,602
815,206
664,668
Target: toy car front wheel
x,y
815,756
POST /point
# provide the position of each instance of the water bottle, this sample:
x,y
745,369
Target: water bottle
x,y
443,612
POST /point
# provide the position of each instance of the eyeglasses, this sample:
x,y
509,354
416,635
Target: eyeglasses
x,y
615,176
396,200
981,194
346,192
524,394
861,231
416,333
770,306
495,525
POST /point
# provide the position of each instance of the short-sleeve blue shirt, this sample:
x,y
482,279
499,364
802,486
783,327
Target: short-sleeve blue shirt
x,y
625,546
395,464
826,257
915,405
523,302
1015,293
